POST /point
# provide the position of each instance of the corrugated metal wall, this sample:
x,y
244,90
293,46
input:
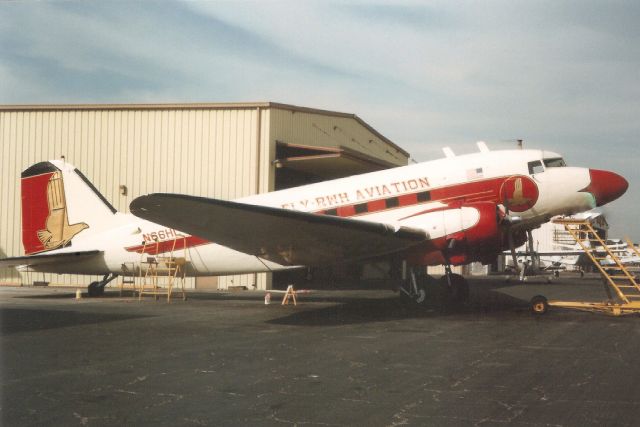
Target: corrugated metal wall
x,y
205,152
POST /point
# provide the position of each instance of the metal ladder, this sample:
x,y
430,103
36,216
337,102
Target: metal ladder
x,y
617,275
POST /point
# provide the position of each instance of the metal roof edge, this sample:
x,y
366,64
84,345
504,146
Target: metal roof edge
x,y
339,114
161,106
197,106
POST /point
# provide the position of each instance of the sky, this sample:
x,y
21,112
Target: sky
x,y
561,75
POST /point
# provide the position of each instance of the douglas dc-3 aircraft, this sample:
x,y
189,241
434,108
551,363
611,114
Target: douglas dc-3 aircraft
x,y
450,211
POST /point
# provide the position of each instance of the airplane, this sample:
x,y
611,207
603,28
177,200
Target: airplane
x,y
545,264
571,257
451,211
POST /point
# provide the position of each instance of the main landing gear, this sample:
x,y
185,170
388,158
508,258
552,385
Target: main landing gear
x,y
423,290
96,289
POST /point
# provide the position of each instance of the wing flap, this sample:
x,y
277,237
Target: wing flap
x,y
30,260
280,235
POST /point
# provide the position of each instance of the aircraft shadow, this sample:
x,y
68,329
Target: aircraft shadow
x,y
489,299
356,311
15,320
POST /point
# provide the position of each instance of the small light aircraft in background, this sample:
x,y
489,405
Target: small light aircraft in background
x,y
571,258
451,211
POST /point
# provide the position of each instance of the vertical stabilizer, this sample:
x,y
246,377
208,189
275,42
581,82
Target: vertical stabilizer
x,y
58,203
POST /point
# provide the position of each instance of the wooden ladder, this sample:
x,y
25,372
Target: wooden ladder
x,y
128,277
163,273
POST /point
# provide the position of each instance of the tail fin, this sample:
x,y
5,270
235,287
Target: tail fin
x,y
58,203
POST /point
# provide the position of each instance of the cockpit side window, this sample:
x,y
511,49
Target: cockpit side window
x,y
535,167
557,162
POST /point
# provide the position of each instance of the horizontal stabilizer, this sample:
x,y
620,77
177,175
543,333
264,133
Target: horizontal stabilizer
x,y
30,260
284,236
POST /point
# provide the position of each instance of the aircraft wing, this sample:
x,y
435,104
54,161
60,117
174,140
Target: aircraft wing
x,y
548,253
47,258
279,235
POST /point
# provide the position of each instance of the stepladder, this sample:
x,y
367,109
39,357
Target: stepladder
x,y
620,282
163,269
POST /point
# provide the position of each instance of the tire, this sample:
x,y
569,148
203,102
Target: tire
x,y
539,305
457,293
459,289
95,289
422,298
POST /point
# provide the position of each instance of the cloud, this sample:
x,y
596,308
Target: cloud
x,y
561,75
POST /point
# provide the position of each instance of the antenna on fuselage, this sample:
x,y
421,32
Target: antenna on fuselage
x,y
448,152
520,141
482,146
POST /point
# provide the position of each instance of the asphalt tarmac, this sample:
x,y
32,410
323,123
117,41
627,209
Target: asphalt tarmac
x,y
337,359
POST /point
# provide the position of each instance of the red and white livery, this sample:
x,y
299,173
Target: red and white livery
x,y
450,211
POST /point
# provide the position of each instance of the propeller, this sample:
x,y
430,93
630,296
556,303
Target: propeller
x,y
508,222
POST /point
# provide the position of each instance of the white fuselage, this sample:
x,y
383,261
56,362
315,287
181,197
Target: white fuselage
x,y
399,196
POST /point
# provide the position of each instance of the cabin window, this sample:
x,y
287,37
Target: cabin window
x,y
361,208
557,162
392,202
535,167
424,196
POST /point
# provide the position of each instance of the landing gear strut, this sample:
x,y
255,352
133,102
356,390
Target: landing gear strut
x,y
96,289
423,289
414,288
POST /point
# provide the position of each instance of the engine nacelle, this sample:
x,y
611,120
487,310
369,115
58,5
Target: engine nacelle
x,y
459,235
482,242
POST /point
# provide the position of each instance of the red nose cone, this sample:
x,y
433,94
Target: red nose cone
x,y
606,186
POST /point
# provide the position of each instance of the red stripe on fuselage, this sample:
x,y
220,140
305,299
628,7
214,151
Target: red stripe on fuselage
x,y
155,248
468,192
487,190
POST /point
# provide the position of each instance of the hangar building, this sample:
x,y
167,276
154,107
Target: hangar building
x,y
213,150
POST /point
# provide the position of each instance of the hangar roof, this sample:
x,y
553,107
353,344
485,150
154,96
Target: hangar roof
x,y
197,106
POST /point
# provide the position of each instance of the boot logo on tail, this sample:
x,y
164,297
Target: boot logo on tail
x,y
57,232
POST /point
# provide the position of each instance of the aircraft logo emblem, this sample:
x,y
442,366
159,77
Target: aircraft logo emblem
x,y
519,193
58,232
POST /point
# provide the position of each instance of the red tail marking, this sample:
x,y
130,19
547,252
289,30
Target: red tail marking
x,y
35,210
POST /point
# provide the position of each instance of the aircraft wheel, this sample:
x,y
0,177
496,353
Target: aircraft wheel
x,y
95,289
459,288
458,292
422,296
539,305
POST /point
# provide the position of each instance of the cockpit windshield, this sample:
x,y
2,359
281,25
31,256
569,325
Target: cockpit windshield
x,y
535,167
556,162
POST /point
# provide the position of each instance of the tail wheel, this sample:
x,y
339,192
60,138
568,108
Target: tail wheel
x,y
539,305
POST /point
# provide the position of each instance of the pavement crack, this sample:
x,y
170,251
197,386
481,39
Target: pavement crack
x,y
83,420
119,390
401,418
138,380
196,421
